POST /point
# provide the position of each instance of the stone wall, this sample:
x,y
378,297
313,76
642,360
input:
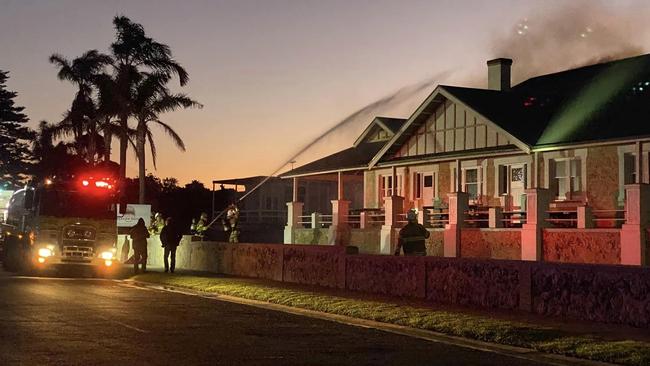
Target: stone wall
x,y
258,260
435,243
596,246
367,240
602,293
386,275
612,294
311,236
487,284
602,177
314,265
491,243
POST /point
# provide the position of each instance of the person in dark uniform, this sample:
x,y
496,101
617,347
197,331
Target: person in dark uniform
x,y
139,235
412,237
170,238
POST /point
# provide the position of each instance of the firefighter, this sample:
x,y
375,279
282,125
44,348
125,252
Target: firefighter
x,y
231,224
193,227
202,225
139,235
170,238
412,237
156,224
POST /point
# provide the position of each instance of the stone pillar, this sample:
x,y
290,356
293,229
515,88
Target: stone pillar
x,y
294,211
634,245
585,217
393,206
340,228
495,218
537,200
458,204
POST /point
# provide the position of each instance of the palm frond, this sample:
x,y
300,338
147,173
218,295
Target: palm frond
x,y
65,68
152,145
171,102
178,141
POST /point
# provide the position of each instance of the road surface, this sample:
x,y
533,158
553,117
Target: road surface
x,y
58,321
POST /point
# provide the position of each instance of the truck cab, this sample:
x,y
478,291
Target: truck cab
x,y
62,222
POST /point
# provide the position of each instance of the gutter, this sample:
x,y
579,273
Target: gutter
x,y
555,147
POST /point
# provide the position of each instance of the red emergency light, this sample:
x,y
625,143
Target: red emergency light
x,y
100,184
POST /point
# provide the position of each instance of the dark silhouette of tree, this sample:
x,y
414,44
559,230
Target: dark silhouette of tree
x,y
169,185
135,53
151,99
82,120
15,156
54,160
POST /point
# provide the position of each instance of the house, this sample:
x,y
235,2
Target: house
x,y
565,151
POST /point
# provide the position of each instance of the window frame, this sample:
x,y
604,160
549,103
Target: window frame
x,y
572,177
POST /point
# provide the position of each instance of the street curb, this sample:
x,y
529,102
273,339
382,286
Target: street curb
x,y
512,351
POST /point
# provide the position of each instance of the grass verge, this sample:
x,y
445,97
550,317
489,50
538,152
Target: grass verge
x,y
544,339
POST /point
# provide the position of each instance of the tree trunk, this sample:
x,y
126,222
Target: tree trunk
x,y
124,143
92,132
108,140
141,160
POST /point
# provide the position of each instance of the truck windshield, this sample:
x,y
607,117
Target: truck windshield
x,y
74,204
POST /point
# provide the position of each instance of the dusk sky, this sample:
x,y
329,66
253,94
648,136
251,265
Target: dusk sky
x,y
273,75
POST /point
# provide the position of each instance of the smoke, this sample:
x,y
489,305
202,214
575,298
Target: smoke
x,y
355,122
575,34
360,118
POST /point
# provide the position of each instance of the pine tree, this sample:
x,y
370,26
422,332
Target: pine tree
x,y
15,155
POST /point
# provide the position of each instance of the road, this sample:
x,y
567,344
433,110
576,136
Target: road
x,y
58,321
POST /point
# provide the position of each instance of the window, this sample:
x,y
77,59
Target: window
x,y
386,186
565,177
471,182
417,185
629,168
511,177
503,180
428,181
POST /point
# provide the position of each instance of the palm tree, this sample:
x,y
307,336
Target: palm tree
x,y
51,159
134,53
82,117
152,98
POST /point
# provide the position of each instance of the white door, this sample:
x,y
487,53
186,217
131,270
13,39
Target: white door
x,y
517,183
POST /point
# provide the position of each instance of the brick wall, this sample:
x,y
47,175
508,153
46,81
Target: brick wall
x,y
602,177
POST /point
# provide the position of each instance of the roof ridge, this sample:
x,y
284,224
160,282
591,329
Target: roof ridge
x,y
584,67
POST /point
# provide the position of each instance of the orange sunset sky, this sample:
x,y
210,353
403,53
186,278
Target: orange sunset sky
x,y
274,75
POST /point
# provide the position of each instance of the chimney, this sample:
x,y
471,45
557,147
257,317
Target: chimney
x,y
499,74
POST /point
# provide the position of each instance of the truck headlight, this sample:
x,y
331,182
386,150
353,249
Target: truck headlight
x,y
106,255
45,252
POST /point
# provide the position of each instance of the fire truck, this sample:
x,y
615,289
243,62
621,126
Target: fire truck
x,y
62,221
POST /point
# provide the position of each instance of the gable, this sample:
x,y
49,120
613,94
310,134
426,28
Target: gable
x,y
457,127
381,129
378,134
452,127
